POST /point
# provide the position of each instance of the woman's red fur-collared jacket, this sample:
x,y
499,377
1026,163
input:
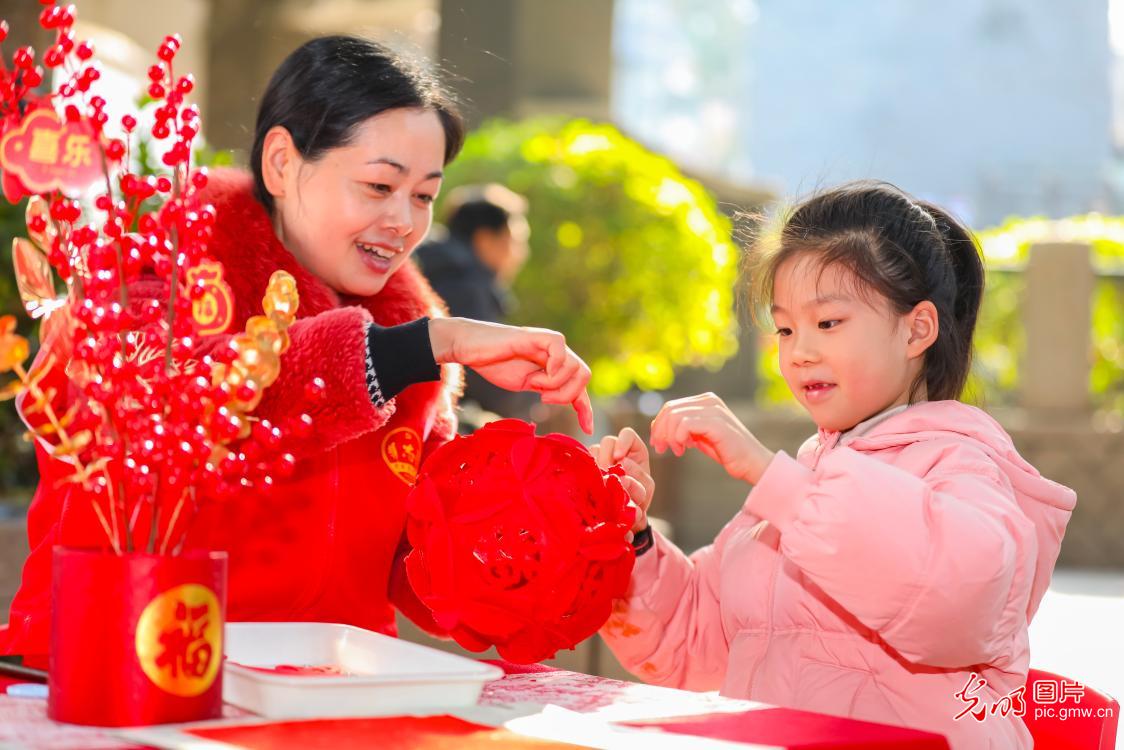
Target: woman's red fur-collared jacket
x,y
325,544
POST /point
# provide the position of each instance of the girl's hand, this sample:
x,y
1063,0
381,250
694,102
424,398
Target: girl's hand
x,y
706,423
517,359
628,450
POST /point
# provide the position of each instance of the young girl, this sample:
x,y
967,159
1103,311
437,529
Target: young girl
x,y
907,545
347,158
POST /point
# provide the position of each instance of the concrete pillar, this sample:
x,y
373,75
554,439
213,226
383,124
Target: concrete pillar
x,y
250,38
23,27
1056,316
517,58
243,49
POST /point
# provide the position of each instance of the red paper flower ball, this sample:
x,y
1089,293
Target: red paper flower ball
x,y
518,541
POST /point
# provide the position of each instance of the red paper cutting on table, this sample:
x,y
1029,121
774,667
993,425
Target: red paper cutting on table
x,y
798,730
518,541
405,732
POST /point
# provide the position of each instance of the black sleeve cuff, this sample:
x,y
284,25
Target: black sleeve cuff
x,y
397,357
642,541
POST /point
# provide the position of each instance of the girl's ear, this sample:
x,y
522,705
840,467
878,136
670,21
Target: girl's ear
x,y
923,326
278,158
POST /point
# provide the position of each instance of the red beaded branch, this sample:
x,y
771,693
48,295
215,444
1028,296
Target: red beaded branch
x,y
153,429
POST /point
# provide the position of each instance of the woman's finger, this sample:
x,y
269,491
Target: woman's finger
x,y
557,353
566,371
585,412
573,391
567,383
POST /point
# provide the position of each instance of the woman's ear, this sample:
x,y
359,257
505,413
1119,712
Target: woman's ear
x,y
923,325
278,157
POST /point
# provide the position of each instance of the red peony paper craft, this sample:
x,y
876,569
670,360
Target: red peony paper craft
x,y
518,541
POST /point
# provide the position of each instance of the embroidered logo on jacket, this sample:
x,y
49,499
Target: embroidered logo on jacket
x,y
402,449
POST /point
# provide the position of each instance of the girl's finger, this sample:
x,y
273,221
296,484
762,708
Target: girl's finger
x,y
636,491
630,446
672,410
605,448
637,472
678,434
661,426
694,429
640,521
656,433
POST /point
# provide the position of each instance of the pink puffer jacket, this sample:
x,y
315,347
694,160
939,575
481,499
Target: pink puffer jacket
x,y
870,578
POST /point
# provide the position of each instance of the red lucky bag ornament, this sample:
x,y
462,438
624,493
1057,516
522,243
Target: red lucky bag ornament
x,y
518,541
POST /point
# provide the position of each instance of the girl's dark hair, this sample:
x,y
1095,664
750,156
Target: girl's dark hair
x,y
900,248
328,86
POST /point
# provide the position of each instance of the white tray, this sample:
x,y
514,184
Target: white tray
x,y
385,675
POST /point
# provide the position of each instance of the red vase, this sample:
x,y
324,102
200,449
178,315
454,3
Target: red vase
x,y
136,639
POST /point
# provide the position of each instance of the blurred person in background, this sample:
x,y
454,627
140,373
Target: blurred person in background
x,y
472,268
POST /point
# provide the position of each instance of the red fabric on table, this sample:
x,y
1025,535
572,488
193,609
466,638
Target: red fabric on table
x,y
391,733
797,730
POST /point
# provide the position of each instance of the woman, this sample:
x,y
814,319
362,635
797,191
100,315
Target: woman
x,y
347,159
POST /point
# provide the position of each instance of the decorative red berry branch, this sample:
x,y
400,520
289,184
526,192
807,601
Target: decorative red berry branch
x,y
130,388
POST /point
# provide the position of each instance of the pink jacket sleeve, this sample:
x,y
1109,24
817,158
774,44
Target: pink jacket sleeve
x,y
669,630
940,565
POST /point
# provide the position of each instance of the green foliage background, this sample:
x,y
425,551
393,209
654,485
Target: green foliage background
x,y
630,259
17,468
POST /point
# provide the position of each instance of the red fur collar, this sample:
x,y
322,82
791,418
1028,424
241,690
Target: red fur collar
x,y
245,243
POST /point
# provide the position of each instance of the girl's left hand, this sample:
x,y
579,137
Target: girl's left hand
x,y
706,423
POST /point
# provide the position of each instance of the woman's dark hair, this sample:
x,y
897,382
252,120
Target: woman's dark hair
x,y
900,248
330,85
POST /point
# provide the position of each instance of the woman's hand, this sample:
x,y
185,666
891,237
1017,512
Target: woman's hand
x,y
706,423
628,450
517,359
